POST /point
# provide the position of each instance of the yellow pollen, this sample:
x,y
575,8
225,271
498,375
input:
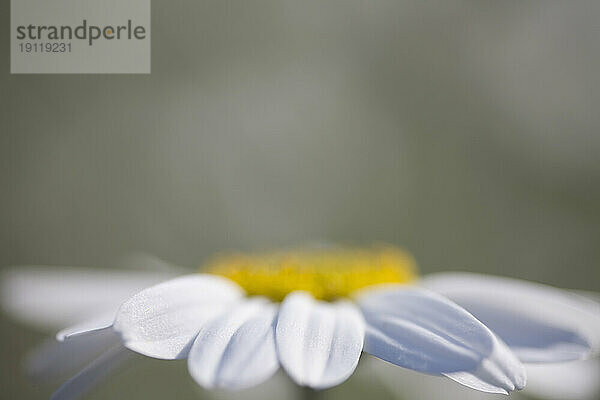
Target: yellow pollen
x,y
327,273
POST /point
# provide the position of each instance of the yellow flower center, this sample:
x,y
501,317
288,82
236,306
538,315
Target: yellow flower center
x,y
327,273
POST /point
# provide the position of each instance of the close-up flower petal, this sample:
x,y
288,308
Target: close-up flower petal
x,y
54,297
409,384
319,343
421,330
99,322
500,372
539,323
163,320
237,349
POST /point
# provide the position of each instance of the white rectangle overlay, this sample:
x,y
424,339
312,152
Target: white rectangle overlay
x,y
80,36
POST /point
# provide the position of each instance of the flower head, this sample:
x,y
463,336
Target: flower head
x,y
313,312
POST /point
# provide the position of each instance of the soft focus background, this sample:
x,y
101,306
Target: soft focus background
x,y
465,131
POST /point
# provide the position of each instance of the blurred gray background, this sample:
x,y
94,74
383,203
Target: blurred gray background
x,y
465,131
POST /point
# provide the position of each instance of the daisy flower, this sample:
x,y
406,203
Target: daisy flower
x,y
314,312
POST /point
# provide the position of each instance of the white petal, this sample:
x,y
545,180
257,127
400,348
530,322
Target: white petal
x,y
420,330
92,374
54,360
236,350
163,321
579,380
100,322
492,375
409,384
318,343
55,297
592,299
539,323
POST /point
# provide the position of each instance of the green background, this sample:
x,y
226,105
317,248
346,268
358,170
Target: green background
x,y
465,131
